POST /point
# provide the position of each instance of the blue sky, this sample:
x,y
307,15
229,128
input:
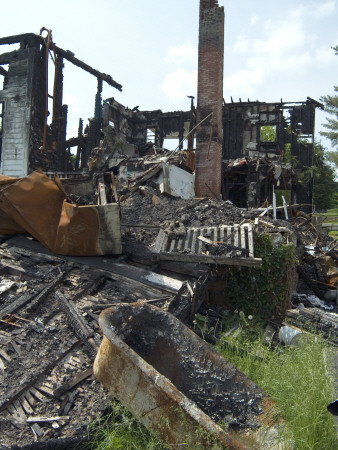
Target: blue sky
x,y
273,49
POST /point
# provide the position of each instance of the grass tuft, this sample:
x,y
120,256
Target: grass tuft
x,y
121,430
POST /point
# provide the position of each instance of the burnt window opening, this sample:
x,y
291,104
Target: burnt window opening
x,y
268,133
170,143
3,75
151,135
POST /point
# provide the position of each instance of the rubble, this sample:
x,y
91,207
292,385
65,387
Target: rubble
x,y
133,223
48,332
57,300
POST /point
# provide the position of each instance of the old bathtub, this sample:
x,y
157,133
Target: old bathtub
x,y
171,380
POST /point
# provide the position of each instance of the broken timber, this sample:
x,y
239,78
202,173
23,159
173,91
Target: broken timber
x,y
314,319
114,270
77,323
37,297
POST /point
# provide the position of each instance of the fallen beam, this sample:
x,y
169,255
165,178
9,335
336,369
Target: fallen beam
x,y
80,376
77,323
113,270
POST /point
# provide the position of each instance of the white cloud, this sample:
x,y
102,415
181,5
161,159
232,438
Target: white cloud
x,y
242,45
179,83
70,99
280,38
325,56
181,54
254,19
183,80
244,82
283,49
322,10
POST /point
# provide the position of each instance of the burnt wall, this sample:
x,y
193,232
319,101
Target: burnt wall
x,y
132,125
209,100
23,97
16,98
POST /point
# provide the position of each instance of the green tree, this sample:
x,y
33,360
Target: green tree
x,y
331,107
324,186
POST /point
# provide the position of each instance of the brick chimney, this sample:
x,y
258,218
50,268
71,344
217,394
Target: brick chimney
x,y
209,135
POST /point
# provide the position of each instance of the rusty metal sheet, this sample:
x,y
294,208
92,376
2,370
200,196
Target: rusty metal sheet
x,y
171,380
37,205
9,226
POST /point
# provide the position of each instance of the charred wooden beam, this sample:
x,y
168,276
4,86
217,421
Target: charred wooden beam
x,y
314,319
80,376
58,89
35,299
72,142
98,100
3,72
7,57
29,37
103,76
66,54
77,323
80,145
61,138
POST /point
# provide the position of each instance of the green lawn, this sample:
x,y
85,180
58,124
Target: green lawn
x,y
331,216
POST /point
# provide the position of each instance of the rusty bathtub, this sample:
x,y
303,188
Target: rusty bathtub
x,y
171,380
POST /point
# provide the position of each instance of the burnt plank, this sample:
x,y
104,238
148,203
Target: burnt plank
x,y
28,297
80,376
34,378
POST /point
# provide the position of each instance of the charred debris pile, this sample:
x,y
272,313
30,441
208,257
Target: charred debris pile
x,y
195,258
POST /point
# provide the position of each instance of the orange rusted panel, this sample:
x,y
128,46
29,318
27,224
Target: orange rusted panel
x,y
37,205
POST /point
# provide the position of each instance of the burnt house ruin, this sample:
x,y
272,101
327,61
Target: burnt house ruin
x,y
27,143
265,146
239,151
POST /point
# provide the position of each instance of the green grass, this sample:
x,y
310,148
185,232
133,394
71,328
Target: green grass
x,y
298,379
332,212
120,430
331,216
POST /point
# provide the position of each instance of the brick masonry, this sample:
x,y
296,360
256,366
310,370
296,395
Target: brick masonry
x,y
209,135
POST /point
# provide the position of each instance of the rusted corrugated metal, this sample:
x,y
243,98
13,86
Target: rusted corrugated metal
x,y
171,380
38,206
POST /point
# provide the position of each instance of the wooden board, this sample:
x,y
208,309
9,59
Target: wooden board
x,y
190,247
